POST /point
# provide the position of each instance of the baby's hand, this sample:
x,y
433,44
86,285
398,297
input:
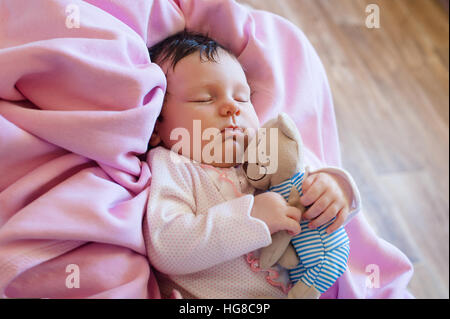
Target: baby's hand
x,y
329,198
273,209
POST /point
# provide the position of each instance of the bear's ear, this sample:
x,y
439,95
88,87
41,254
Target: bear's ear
x,y
288,127
271,123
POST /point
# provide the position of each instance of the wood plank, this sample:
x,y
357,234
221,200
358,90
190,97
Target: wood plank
x,y
391,91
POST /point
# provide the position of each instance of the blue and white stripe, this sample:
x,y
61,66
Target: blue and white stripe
x,y
285,188
323,256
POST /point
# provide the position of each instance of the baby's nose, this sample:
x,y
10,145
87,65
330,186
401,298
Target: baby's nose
x,y
229,109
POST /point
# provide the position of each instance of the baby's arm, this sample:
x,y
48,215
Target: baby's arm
x,y
181,238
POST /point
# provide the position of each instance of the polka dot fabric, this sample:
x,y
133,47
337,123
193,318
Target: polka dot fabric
x,y
198,230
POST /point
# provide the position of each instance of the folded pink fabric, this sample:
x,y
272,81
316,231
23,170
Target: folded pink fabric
x,y
77,107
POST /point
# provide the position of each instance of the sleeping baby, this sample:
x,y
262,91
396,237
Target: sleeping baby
x,y
203,217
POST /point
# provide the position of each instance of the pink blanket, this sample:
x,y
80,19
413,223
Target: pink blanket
x,y
78,102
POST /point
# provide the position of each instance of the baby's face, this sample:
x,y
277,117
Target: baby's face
x,y
203,98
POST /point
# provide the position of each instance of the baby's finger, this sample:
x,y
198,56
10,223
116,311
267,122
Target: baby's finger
x,y
318,207
311,194
340,219
328,215
294,213
293,227
308,182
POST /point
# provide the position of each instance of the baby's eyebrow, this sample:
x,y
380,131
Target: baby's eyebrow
x,y
201,86
213,85
245,86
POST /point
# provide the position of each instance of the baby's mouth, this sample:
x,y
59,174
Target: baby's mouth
x,y
231,131
232,128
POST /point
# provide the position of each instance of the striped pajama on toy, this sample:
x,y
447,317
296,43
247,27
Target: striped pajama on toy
x,y
323,257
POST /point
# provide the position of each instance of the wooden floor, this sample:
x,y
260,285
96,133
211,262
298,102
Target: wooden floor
x,y
391,91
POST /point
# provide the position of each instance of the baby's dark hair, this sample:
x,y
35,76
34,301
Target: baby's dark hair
x,y
182,44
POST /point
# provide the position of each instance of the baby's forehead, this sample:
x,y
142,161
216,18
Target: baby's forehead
x,y
195,67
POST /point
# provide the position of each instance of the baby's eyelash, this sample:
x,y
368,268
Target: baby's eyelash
x,y
203,100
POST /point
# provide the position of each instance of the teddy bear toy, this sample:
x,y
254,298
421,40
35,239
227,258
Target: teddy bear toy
x,y
314,258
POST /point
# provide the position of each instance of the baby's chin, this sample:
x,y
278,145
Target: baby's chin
x,y
232,155
224,165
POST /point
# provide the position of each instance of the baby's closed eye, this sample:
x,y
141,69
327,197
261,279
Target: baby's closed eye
x,y
242,98
201,99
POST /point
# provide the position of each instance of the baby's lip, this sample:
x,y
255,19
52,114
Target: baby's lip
x,y
232,128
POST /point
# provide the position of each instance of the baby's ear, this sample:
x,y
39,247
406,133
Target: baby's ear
x,y
155,139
